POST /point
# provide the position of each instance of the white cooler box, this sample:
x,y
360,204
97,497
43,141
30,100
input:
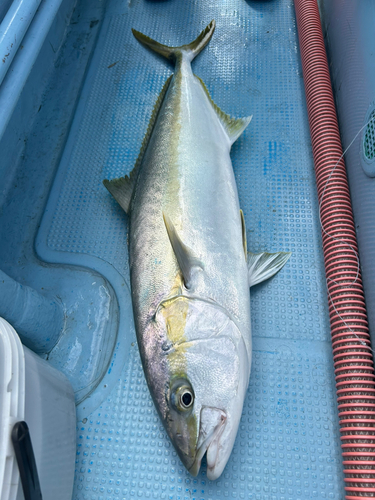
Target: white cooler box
x,y
33,391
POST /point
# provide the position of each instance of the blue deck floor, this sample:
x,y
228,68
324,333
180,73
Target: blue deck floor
x,y
288,445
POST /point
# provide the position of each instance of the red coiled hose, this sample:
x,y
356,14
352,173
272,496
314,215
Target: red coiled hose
x,y
353,360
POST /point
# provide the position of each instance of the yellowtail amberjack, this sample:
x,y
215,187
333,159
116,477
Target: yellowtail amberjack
x,y
190,270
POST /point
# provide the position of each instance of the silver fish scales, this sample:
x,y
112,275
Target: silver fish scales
x,y
190,269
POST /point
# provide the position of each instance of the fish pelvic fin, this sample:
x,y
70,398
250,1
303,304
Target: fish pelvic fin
x,y
190,50
232,126
122,188
262,266
243,227
185,256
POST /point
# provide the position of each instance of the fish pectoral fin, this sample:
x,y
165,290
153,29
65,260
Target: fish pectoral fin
x,y
262,266
233,126
122,188
185,256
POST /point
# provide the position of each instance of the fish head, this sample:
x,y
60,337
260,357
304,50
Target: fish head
x,y
207,369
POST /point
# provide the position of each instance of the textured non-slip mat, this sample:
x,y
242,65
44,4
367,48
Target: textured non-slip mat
x,y
288,445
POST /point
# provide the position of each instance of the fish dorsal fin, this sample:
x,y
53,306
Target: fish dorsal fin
x,y
244,240
262,266
185,256
122,188
233,126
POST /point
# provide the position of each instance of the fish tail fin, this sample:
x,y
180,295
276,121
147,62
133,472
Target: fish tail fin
x,y
190,50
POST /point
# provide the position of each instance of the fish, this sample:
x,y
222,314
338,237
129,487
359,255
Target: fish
x,y
190,270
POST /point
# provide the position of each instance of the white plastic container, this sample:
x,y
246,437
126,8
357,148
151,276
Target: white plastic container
x,y
33,391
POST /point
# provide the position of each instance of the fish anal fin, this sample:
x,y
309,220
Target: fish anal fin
x,y
233,126
264,265
122,188
185,256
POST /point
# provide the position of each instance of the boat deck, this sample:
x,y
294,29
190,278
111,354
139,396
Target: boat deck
x,y
288,444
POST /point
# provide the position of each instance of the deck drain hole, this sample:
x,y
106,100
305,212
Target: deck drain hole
x,y
369,138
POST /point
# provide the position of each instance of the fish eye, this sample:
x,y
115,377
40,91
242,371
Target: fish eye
x,y
182,395
186,399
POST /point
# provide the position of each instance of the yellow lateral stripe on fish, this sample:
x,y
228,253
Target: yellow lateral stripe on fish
x,y
189,269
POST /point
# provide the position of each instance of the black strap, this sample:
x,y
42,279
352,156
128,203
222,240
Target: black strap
x,y
26,461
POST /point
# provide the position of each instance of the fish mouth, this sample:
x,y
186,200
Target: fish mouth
x,y
211,428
